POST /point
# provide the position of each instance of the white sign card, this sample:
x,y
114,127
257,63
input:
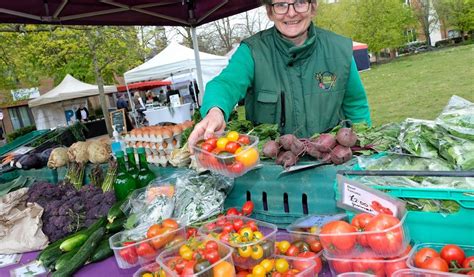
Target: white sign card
x,y
361,198
175,101
31,269
9,259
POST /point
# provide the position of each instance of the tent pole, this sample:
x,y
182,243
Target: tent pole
x,y
198,62
132,104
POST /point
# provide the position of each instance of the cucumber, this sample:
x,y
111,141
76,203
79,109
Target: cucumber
x,y
64,259
116,226
82,255
78,240
49,255
115,211
103,251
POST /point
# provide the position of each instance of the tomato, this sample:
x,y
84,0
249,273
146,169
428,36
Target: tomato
x,y
453,254
232,146
245,251
248,156
211,245
247,208
314,244
370,266
257,252
360,221
223,269
470,273
304,263
333,241
170,223
424,254
190,232
207,147
232,136
281,265
341,266
153,230
283,246
163,237
435,263
212,142
189,268
292,251
232,211
176,263
257,235
242,273
268,264
212,255
129,255
244,140
236,168
246,233
391,267
468,262
386,242
146,251
252,225
186,252
258,271
221,143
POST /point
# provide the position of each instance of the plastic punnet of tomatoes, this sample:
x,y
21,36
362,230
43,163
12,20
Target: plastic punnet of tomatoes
x,y
436,258
230,154
198,256
381,235
252,240
150,270
278,265
418,273
300,246
367,263
142,245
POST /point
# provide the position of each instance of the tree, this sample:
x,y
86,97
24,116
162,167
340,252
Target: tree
x,y
427,17
337,17
458,14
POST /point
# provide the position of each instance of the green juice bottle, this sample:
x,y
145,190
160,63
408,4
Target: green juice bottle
x,y
124,183
145,175
132,164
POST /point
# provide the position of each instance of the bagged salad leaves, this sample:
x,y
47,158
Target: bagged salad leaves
x,y
458,118
417,136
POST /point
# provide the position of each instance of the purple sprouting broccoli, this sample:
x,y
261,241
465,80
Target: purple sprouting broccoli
x,y
109,197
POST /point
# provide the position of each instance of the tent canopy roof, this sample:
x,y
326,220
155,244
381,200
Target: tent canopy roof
x,y
69,88
122,12
358,45
143,85
174,59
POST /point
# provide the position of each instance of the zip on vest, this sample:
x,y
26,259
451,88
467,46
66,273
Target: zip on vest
x,y
282,114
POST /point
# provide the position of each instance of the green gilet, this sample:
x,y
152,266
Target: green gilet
x,y
301,88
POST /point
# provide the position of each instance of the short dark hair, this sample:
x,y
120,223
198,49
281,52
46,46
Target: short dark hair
x,y
269,2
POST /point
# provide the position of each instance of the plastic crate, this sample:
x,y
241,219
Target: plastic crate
x,y
283,199
433,226
468,250
27,138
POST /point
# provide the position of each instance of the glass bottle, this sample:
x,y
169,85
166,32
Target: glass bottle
x,y
145,175
124,183
132,164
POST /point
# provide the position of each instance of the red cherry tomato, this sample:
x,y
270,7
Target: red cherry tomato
x,y
207,147
211,245
468,262
247,208
212,142
424,254
435,263
236,167
232,146
238,224
190,232
292,251
243,139
146,251
453,253
232,211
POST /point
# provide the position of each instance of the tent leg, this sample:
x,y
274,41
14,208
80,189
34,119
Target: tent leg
x,y
198,62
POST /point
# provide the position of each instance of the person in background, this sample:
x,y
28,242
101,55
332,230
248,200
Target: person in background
x,y
294,74
149,97
193,93
82,114
138,101
122,103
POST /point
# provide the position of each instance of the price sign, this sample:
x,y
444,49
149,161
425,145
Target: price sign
x,y
118,120
9,259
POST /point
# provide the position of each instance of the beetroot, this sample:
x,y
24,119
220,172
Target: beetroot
x,y
288,159
271,149
346,137
341,154
311,149
325,157
297,147
325,142
286,141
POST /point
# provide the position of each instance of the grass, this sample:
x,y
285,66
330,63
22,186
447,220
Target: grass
x,y
419,86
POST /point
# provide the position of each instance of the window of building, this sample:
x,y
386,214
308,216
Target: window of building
x,y
20,117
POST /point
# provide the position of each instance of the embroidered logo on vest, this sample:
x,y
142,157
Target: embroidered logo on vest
x,y
326,80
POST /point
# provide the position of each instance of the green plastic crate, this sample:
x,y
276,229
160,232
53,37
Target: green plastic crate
x,y
282,200
455,228
28,138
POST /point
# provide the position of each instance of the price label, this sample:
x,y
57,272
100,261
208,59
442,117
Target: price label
x,y
9,259
318,220
31,269
361,198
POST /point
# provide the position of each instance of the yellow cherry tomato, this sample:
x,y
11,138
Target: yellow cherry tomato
x,y
246,233
257,252
248,156
268,264
221,143
283,246
281,265
233,136
245,251
257,235
314,229
258,271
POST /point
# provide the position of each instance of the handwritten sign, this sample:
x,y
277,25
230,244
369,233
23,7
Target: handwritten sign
x,y
118,120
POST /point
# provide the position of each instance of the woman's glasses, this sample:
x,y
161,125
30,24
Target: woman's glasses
x,y
300,6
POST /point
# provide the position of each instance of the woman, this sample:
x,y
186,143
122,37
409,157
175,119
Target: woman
x,y
294,74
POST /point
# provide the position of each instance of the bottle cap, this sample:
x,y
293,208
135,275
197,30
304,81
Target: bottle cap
x,y
119,154
140,150
129,150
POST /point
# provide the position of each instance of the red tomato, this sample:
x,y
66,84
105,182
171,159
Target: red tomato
x,y
228,227
360,221
232,146
232,211
341,266
129,255
453,253
424,254
146,251
188,269
369,265
153,230
470,273
247,208
236,167
334,242
292,251
170,223
303,263
468,262
176,263
238,224
212,255
435,263
207,147
252,225
314,244
391,267
212,142
387,242
212,245
190,232
243,139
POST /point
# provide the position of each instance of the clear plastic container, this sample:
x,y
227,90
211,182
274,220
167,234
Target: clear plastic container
x,y
366,264
226,163
355,274
153,269
225,263
419,273
139,249
311,243
390,242
266,242
468,250
305,267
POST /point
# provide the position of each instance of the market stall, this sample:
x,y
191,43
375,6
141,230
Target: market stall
x,y
176,114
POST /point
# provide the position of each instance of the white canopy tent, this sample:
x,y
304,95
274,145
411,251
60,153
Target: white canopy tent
x,y
49,109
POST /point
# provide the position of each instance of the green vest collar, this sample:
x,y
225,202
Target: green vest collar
x,y
295,53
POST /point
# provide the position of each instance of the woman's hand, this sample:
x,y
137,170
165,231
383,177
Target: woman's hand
x,y
211,123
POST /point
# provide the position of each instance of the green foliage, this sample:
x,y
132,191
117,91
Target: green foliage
x,y
20,132
457,14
